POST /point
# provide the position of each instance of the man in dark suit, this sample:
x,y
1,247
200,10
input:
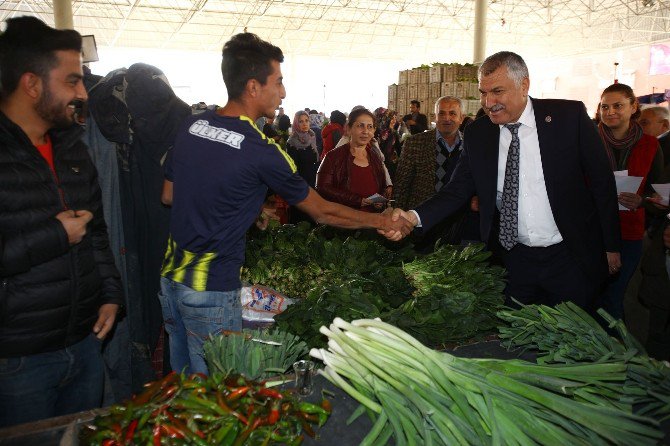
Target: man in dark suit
x,y
549,209
415,120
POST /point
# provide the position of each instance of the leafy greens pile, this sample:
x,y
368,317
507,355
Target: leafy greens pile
x,y
450,295
457,295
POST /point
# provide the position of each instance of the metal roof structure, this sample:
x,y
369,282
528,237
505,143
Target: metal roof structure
x,y
416,30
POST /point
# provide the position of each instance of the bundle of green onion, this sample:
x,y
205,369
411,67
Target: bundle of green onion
x,y
254,354
566,334
421,396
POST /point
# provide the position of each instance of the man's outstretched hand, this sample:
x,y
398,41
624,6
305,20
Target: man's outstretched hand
x,y
398,225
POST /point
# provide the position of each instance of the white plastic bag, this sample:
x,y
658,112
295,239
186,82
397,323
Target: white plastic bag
x,y
260,303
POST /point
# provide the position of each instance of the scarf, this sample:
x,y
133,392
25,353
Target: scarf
x,y
623,145
315,121
303,140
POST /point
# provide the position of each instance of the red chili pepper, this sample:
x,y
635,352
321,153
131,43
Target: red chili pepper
x,y
242,438
237,393
325,405
172,431
131,430
198,391
222,403
309,417
170,391
306,427
269,393
157,435
109,442
227,409
153,388
274,413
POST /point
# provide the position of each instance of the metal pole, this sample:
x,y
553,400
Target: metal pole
x,y
63,14
480,31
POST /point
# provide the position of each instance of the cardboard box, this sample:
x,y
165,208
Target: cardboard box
x,y
412,92
422,91
473,90
393,89
413,76
473,106
435,74
393,105
425,105
403,77
430,109
423,76
461,89
435,90
448,89
449,73
466,73
401,92
402,107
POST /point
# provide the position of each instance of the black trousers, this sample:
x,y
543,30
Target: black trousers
x,y
545,275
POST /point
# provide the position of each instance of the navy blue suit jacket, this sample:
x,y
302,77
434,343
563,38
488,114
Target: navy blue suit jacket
x,y
578,177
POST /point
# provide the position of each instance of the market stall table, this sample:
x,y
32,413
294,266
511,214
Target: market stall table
x,y
63,431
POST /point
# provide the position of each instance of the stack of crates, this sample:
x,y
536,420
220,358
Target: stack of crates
x,y
427,84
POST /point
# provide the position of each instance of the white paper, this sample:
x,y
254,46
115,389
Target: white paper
x,y
626,184
376,198
664,191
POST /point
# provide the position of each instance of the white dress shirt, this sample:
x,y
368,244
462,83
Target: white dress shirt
x,y
537,226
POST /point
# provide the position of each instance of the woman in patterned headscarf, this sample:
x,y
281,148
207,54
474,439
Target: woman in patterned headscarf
x,y
301,146
631,150
388,138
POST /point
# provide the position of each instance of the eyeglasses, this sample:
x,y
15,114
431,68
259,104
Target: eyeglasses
x,y
362,125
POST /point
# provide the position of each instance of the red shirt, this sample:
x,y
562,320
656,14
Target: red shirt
x,y
46,150
362,181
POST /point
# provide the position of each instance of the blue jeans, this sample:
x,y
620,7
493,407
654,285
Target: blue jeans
x,y
612,298
51,384
191,316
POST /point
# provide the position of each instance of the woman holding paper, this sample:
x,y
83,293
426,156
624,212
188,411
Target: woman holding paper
x,y
353,174
628,150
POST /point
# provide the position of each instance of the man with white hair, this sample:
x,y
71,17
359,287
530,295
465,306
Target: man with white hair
x,y
547,198
655,121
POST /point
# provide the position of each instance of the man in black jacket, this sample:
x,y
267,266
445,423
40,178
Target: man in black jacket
x,y
415,120
59,288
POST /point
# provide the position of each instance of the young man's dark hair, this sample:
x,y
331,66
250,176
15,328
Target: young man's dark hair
x,y
246,56
28,45
415,102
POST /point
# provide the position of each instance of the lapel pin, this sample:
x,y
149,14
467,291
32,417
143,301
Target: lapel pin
x,y
75,169
547,119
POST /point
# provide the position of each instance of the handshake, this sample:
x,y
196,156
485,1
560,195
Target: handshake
x,y
397,224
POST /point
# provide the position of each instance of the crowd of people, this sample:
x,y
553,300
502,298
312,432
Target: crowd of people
x,y
534,179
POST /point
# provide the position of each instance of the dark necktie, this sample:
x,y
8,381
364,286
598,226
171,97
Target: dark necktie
x,y
509,208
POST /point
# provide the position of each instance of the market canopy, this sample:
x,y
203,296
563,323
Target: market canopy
x,y
428,30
